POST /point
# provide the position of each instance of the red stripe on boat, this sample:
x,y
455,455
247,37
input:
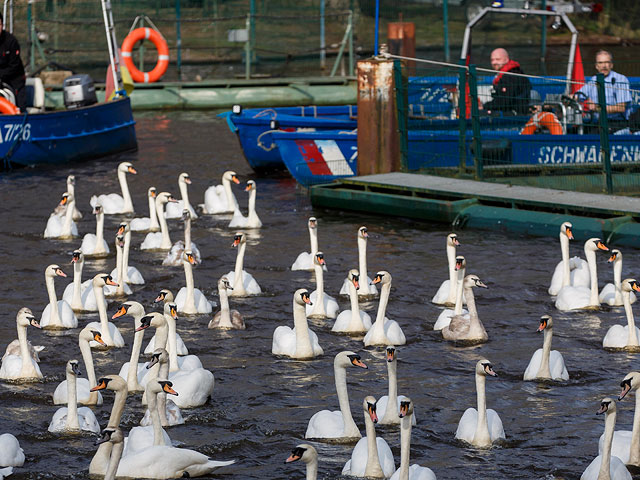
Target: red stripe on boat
x,y
313,157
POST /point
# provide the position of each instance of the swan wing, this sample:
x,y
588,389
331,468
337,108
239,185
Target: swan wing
x,y
496,430
557,366
445,318
531,373
304,261
616,337
467,426
608,295
11,368
82,392
442,295
284,341
194,387
11,455
325,424
152,241
140,224
621,445
580,276
88,420
141,438
394,333
573,298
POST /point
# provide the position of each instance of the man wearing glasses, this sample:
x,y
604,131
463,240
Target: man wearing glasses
x,y
616,88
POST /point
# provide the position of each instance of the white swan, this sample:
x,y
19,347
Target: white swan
x,y
483,426
57,314
150,223
79,294
14,347
169,412
337,425
304,261
624,337
446,294
112,439
174,256
113,203
191,300
11,455
132,375
390,416
611,293
226,318
94,244
174,210
467,329
130,275
371,457
384,331
21,365
444,318
120,288
366,287
62,227
607,466
298,342
159,240
626,444
576,298
71,418
415,471
83,385
166,297
61,210
354,320
110,333
322,305
5,472
220,198
243,283
546,364
569,271
251,220
309,456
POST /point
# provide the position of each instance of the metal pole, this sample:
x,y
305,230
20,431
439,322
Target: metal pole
x,y
113,52
32,37
178,41
475,122
323,46
462,118
252,32
605,149
375,46
247,50
401,107
445,20
141,53
351,60
543,42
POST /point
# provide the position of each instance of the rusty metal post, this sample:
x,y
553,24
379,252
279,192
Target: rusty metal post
x,y
402,41
378,139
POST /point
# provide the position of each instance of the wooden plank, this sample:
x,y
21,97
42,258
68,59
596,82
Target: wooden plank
x,y
510,194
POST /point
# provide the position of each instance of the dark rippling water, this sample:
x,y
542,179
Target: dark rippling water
x,y
261,404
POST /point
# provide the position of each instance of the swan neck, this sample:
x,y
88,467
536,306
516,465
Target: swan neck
x,y
132,374
102,312
189,301
471,302
593,271
340,374
609,426
482,427
632,340
382,305
24,349
153,215
162,335
173,344
238,280
187,234
126,196
634,453
68,219
312,469
114,461
319,283
152,404
119,270
184,194
125,256
313,238
303,339
72,403
362,258
118,408
451,261
373,468
87,358
54,319
164,229
76,301
566,269
252,202
225,313
459,281
544,370
99,229
405,446
391,413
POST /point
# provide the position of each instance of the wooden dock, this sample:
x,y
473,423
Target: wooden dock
x,y
469,203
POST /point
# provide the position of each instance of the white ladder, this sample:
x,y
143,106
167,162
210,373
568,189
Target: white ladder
x,y
114,58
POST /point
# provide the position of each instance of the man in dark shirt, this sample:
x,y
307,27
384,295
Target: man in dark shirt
x,y
510,92
11,68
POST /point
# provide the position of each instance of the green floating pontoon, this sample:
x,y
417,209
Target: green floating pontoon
x,y
473,204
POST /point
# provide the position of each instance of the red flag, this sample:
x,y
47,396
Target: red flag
x,y
577,74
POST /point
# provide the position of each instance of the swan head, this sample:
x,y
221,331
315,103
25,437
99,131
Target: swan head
x,y
251,185
566,230
223,284
354,277
318,259
71,180
301,297
188,257
165,197
382,277
130,308
452,240
312,223
607,405
127,167
594,244
122,228
54,270
406,408
25,318
630,382
615,255
184,178
460,263
159,355
171,310
73,368
66,199
110,382
304,452
471,281
238,239
186,215
484,368
347,358
369,407
119,241
230,176
97,209
88,334
362,232
629,284
77,257
152,192
390,353
546,323
102,279
160,386
164,296
112,435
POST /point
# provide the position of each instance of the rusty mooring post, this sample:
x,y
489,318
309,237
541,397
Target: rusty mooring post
x,y
378,139
402,41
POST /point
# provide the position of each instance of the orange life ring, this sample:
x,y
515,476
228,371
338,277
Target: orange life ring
x,y
7,107
546,120
163,55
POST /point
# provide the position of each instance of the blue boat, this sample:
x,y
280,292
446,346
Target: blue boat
x,y
66,136
255,126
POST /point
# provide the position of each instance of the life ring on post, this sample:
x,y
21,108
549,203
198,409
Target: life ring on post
x,y
8,108
542,120
163,54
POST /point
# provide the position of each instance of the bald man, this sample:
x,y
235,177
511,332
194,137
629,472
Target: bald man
x,y
510,92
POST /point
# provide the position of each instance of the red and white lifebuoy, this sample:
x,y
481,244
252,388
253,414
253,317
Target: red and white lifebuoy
x,y
163,55
541,120
8,108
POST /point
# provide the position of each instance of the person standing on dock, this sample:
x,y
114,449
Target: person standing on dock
x,y
11,68
510,92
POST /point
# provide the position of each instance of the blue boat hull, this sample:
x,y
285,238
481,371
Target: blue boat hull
x,y
67,136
